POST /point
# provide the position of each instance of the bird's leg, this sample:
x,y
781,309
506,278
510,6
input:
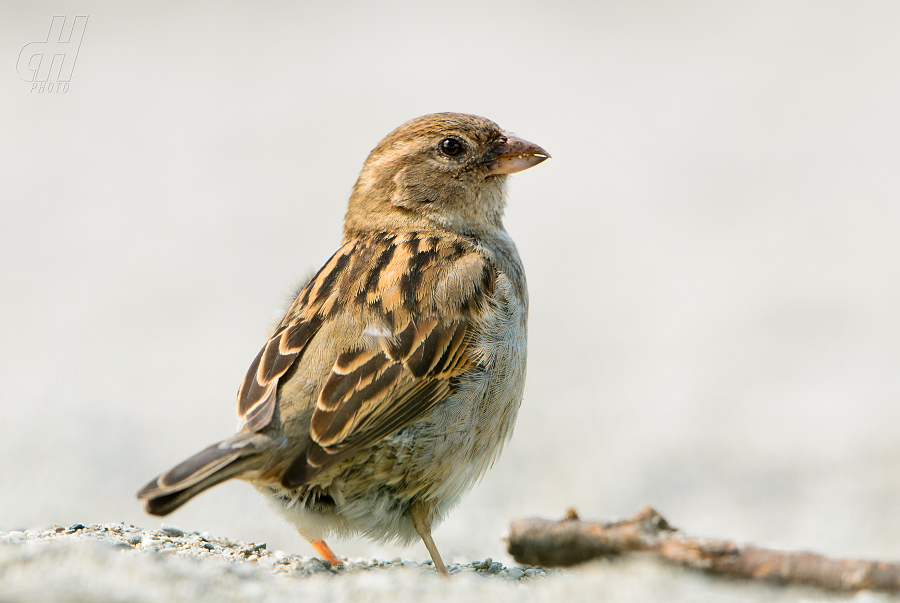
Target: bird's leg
x,y
421,518
325,552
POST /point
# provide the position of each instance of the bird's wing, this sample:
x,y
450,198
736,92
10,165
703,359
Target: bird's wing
x,y
374,391
422,296
258,392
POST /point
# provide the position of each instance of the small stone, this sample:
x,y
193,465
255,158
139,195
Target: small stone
x,y
77,526
16,536
515,574
209,546
172,530
486,564
531,572
134,539
495,567
120,545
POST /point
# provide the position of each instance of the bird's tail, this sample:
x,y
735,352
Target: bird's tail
x,y
213,465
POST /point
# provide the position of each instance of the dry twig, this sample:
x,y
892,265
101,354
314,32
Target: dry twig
x,y
569,541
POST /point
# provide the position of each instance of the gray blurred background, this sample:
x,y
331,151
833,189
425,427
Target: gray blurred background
x,y
712,253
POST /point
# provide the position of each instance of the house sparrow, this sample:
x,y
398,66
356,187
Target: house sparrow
x,y
393,381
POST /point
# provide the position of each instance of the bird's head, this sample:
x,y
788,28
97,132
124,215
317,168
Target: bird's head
x,y
446,170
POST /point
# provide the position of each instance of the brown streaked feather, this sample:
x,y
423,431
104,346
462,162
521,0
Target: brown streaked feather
x,y
371,394
333,422
257,394
403,411
381,383
344,383
424,396
212,465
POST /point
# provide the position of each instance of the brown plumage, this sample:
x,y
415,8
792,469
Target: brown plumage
x,y
394,379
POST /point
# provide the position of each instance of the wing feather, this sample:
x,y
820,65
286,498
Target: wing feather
x,y
419,295
400,380
257,394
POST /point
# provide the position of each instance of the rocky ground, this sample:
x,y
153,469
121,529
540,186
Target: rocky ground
x,y
115,562
119,562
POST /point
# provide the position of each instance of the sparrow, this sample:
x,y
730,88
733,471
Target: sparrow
x,y
394,379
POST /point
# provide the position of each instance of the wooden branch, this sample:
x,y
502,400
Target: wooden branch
x,y
569,541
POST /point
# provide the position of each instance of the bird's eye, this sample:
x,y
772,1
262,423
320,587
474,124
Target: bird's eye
x,y
452,147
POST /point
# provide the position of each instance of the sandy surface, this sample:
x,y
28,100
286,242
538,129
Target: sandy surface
x,y
117,562
712,255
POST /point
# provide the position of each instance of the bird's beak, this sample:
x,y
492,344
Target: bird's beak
x,y
513,155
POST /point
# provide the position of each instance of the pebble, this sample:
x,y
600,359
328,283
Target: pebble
x,y
172,530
